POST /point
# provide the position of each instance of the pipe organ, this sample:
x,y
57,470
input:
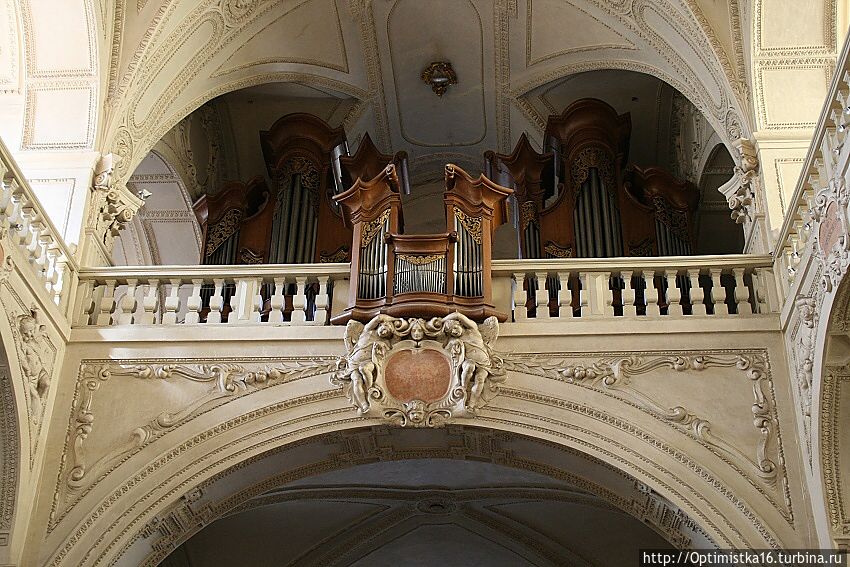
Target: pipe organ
x,y
579,198
297,221
422,274
232,223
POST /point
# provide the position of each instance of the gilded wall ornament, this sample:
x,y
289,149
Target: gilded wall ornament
x,y
439,75
420,373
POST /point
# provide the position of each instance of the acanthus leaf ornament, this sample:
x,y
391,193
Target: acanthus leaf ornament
x,y
738,190
615,375
420,373
113,206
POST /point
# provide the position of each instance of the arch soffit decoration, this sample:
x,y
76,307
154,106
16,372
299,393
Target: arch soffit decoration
x,y
828,412
182,90
108,518
607,486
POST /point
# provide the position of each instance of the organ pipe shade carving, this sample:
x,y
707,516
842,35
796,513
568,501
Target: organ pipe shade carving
x,y
422,274
223,231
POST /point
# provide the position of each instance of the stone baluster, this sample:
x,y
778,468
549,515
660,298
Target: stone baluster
x,y
149,304
107,305
194,303
127,305
59,277
322,302
718,293
628,293
674,294
15,212
541,295
277,301
520,298
172,303
565,298
85,302
697,293
24,236
216,302
742,293
299,302
651,294
584,294
51,276
38,247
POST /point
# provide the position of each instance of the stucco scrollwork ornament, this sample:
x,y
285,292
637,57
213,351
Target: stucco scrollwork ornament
x,y
34,361
113,206
420,373
831,229
739,190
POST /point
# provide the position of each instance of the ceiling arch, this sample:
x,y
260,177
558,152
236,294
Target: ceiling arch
x,y
507,486
172,71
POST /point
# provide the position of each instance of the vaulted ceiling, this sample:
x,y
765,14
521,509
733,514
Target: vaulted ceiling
x,y
172,57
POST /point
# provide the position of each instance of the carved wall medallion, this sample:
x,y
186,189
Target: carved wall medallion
x,y
832,227
419,373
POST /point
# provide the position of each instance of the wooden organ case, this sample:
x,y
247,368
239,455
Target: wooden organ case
x,y
581,199
422,275
248,223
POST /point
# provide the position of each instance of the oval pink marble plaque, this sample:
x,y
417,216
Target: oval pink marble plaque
x,y
830,228
418,374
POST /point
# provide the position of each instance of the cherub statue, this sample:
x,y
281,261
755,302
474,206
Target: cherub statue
x,y
32,364
479,366
365,346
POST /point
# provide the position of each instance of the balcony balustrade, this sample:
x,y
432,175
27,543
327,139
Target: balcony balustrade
x,y
310,294
825,163
34,235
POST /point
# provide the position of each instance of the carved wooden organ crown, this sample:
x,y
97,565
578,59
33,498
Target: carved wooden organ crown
x,y
308,164
422,275
580,199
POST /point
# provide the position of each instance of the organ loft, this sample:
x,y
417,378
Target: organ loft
x,y
366,283
581,197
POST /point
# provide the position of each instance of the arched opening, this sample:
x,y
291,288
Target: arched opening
x,y
381,496
715,232
165,231
618,171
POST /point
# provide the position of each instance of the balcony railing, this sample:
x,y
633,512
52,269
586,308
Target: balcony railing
x,y
32,232
531,290
827,156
